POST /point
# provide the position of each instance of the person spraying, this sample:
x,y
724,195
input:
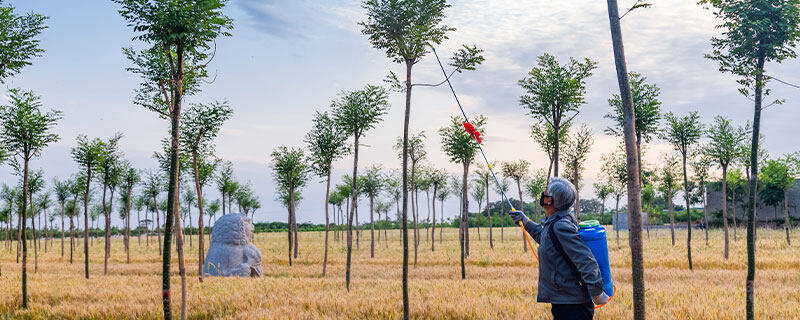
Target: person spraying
x,y
569,276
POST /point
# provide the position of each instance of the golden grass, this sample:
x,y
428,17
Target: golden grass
x,y
501,283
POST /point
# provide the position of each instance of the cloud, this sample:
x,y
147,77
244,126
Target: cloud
x,y
272,17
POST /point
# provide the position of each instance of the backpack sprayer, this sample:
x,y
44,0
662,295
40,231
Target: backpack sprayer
x,y
591,232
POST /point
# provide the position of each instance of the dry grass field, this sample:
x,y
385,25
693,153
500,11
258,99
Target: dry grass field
x,y
501,283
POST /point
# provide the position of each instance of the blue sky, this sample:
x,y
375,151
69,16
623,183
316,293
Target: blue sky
x,y
289,58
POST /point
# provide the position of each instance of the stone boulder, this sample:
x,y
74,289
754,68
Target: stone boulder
x,y
231,252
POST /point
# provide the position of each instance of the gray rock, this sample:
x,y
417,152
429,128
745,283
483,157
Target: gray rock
x,y
232,252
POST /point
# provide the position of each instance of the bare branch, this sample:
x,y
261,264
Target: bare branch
x,y
438,84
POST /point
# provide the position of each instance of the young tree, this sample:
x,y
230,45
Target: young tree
x,y
535,186
200,125
460,147
415,150
89,155
438,180
735,182
517,171
554,93
603,189
478,192
782,173
357,112
615,170
544,135
754,33
129,179
668,184
483,177
290,170
700,166
743,158
108,174
371,184
25,129
76,188
682,133
633,171
62,193
225,182
151,189
577,150
35,185
648,194
326,144
503,187
646,111
182,31
723,147
405,30
212,208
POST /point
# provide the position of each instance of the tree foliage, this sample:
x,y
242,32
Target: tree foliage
x,y
18,43
326,142
458,144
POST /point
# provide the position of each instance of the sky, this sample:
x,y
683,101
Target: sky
x,y
287,59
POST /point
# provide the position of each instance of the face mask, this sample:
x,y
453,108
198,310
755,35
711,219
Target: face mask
x,y
545,200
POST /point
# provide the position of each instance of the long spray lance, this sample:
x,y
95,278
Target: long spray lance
x,y
477,136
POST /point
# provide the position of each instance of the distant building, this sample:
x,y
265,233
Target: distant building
x,y
764,213
622,224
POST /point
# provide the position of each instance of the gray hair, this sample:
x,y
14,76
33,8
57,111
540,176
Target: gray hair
x,y
563,193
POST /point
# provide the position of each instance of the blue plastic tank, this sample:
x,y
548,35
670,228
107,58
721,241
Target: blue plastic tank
x,y
594,235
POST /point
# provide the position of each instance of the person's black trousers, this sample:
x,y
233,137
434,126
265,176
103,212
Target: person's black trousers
x,y
584,311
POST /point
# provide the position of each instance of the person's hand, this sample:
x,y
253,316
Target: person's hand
x,y
518,216
600,299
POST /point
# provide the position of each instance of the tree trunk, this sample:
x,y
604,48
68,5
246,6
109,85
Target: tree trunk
x,y
688,213
414,207
23,240
128,224
327,220
634,186
671,216
427,225
433,228
464,224
35,238
71,238
489,214
751,254
725,208
107,236
406,311
294,228
172,192
556,129
352,213
158,224
441,222
371,227
86,221
705,211
788,223
200,241
289,226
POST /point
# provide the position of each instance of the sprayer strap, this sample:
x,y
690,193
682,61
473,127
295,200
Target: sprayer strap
x,y
557,244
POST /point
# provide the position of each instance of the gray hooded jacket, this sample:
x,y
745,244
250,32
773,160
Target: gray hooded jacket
x,y
557,282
